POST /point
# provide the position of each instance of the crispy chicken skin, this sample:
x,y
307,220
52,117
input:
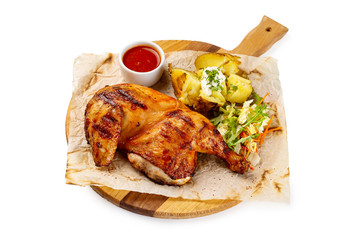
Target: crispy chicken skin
x,y
160,134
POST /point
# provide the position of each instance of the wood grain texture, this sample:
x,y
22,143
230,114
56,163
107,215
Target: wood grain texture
x,y
257,42
261,38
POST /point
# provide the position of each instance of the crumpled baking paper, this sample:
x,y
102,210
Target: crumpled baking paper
x,y
212,179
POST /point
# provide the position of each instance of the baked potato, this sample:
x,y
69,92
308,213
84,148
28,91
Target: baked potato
x,y
189,86
190,90
231,67
210,60
178,78
227,63
239,89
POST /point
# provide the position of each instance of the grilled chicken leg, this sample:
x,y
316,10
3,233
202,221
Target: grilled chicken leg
x,y
160,134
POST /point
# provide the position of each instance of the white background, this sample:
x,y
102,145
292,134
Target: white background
x,y
318,60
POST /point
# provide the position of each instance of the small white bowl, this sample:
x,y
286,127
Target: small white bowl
x,y
142,78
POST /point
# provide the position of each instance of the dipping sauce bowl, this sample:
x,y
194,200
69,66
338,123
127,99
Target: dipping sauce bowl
x,y
142,63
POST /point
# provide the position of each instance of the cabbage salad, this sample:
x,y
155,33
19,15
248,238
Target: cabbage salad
x,y
245,126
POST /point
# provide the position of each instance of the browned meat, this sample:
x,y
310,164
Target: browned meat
x,y
160,134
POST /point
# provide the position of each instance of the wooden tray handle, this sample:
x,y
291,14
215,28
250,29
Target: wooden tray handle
x,y
261,38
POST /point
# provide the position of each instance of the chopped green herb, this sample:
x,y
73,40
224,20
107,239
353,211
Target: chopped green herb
x,y
213,79
233,87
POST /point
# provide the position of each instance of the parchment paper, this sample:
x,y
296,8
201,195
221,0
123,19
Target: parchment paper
x,y
212,180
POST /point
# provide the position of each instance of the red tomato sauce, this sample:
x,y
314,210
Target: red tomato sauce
x,y
141,58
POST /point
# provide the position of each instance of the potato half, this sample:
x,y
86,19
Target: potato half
x,y
231,67
178,79
190,90
226,62
239,89
210,60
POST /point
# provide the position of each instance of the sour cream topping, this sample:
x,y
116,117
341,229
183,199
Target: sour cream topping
x,y
211,80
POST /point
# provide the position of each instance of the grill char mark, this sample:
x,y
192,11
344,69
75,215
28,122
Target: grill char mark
x,y
103,131
105,125
179,132
126,96
178,114
110,97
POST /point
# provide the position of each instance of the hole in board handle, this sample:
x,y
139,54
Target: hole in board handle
x,y
268,29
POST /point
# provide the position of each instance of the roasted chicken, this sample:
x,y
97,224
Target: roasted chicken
x,y
160,135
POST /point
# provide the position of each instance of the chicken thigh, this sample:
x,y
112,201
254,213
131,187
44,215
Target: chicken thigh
x,y
160,135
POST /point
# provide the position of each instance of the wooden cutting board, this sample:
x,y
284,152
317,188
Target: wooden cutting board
x,y
256,42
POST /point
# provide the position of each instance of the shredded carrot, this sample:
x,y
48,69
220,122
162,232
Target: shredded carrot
x,y
259,137
263,98
251,167
243,134
266,131
274,129
247,154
